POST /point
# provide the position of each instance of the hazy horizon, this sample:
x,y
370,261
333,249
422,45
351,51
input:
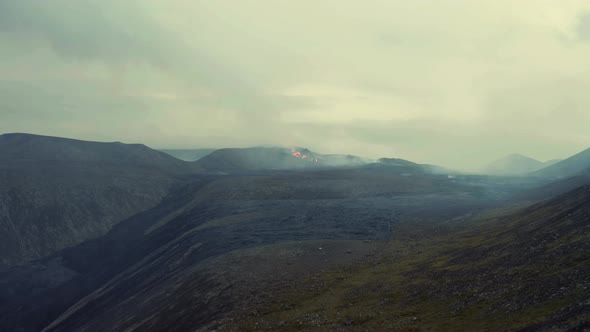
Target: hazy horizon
x,y
453,83
479,168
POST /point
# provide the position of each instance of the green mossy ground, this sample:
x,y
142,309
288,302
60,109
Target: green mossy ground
x,y
478,276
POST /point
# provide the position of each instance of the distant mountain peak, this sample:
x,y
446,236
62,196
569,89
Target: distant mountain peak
x,y
513,164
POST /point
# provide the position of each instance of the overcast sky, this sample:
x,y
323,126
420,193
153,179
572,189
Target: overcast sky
x,y
452,82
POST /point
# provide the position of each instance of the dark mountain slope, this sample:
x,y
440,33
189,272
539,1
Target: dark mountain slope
x,y
35,148
513,270
566,168
196,258
57,192
556,187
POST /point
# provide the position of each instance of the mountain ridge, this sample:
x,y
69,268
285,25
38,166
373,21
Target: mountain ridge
x,y
22,147
57,192
568,167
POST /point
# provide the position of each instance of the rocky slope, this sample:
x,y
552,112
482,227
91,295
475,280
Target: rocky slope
x,y
57,192
556,187
220,245
377,246
511,270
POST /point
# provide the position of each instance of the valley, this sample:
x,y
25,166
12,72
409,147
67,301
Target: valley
x,y
378,245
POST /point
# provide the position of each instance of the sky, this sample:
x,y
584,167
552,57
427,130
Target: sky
x,y
457,83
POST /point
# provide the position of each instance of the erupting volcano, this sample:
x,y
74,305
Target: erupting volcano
x,y
300,155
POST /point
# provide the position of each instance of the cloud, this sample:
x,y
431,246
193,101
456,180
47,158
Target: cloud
x,y
451,82
112,32
124,36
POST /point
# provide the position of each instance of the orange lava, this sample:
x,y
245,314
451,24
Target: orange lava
x,y
299,155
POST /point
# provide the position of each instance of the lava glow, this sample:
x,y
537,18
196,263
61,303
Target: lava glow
x,y
299,155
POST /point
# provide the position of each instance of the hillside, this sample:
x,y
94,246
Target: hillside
x,y
227,239
511,270
397,162
275,158
45,149
268,246
514,164
57,192
260,158
555,187
566,168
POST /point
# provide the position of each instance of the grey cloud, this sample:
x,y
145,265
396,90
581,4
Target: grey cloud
x,y
396,78
84,29
122,33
